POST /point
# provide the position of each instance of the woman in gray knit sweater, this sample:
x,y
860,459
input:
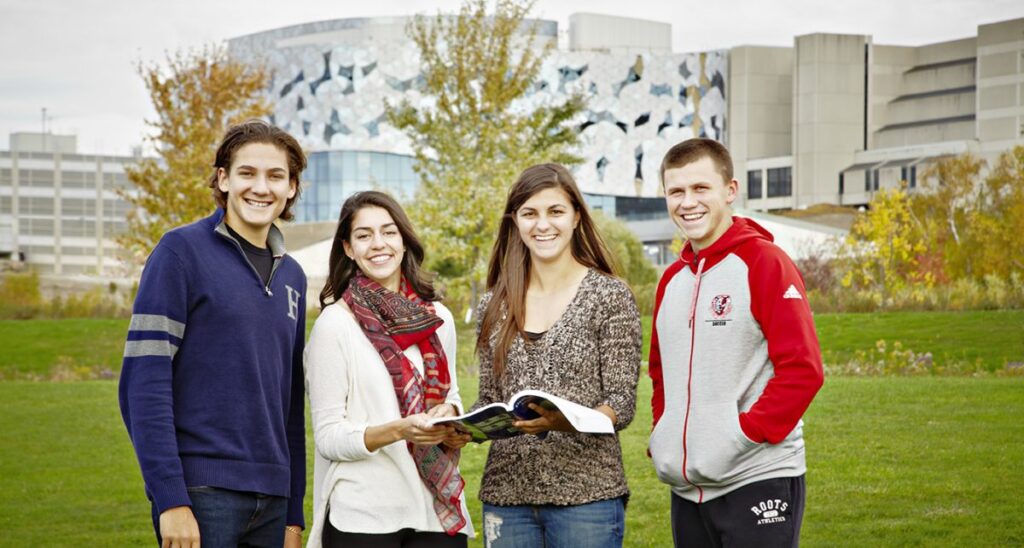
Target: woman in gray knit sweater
x,y
556,319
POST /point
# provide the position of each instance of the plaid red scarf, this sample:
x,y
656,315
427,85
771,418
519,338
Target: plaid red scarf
x,y
393,322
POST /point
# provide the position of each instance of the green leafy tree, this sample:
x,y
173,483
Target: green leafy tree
x,y
947,211
474,138
197,95
884,245
630,261
1001,228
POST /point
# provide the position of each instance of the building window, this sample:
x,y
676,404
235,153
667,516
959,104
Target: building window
x,y
76,179
36,227
35,177
5,205
333,176
780,182
78,207
114,228
871,178
78,228
78,250
754,184
116,181
842,183
33,250
30,205
115,208
909,174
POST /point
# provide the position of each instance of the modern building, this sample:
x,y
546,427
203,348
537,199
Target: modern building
x,y
831,119
59,209
835,118
331,80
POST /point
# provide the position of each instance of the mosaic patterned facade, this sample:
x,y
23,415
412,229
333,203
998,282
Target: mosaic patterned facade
x,y
331,80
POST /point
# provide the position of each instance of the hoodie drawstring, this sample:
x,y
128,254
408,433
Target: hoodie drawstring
x,y
696,291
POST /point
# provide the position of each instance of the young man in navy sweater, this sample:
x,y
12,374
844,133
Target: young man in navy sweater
x,y
212,386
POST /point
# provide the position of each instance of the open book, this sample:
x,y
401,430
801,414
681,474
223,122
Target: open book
x,y
494,421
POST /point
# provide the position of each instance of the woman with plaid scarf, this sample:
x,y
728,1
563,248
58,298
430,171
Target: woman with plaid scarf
x,y
380,363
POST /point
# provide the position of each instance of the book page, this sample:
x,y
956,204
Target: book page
x,y
583,419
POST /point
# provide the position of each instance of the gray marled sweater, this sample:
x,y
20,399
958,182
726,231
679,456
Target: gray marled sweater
x,y
591,356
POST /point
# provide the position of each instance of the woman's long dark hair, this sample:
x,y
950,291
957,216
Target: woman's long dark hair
x,y
342,268
508,274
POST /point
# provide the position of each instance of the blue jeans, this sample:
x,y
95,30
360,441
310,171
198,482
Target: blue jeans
x,y
234,518
594,525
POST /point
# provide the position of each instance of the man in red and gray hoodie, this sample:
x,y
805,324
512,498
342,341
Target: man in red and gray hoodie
x,y
735,362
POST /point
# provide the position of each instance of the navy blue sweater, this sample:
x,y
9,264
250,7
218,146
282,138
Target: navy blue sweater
x,y
212,387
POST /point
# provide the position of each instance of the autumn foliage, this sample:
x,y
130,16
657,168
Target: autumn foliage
x,y
956,242
196,96
474,135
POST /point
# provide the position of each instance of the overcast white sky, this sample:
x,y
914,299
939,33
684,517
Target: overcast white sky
x,y
77,58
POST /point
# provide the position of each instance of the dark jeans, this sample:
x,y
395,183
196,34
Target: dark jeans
x,y
765,514
234,518
405,538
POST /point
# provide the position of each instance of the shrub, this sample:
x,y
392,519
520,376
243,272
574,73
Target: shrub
x,y
19,296
893,360
94,303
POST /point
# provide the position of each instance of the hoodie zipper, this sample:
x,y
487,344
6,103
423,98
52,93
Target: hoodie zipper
x,y
689,376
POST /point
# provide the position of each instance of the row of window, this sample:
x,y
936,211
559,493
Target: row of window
x,y
68,179
780,183
36,205
872,179
627,208
74,228
333,176
34,250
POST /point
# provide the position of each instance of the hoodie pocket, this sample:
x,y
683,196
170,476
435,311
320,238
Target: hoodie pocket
x,y
666,446
718,450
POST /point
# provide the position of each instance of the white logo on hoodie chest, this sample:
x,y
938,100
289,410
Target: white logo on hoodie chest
x,y
721,308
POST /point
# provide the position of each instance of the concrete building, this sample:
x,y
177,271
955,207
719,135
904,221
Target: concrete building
x,y
59,209
836,118
832,119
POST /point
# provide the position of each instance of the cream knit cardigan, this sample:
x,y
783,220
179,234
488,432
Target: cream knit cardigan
x,y
349,389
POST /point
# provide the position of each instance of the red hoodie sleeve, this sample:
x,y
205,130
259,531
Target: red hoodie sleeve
x,y
779,304
654,361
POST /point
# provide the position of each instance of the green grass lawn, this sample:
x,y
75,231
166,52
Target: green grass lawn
x,y
892,461
35,347
994,337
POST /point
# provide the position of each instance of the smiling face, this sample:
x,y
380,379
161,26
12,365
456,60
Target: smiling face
x,y
546,222
258,186
376,246
698,200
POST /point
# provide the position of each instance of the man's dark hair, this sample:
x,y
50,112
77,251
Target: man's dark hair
x,y
693,150
258,131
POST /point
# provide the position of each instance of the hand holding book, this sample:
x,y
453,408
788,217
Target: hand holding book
x,y
545,420
529,411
